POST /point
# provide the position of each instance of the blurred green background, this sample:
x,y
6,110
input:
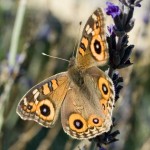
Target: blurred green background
x,y
30,27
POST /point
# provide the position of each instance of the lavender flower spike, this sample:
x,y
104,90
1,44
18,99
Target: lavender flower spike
x,y
111,29
112,10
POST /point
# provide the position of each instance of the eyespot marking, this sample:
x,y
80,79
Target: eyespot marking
x,y
104,88
98,49
77,123
97,46
45,110
95,121
30,107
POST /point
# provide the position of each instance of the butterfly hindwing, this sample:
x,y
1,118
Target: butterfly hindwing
x,y
93,49
88,114
42,103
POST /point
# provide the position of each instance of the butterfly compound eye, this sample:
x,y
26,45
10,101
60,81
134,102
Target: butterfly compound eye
x,y
104,88
45,110
77,123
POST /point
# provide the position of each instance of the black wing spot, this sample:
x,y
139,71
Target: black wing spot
x,y
97,46
104,88
45,110
82,46
78,124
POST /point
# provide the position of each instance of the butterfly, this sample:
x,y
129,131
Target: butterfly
x,y
83,95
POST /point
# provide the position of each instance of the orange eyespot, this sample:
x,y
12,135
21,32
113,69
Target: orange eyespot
x,y
30,107
97,48
95,121
104,88
103,103
45,110
77,123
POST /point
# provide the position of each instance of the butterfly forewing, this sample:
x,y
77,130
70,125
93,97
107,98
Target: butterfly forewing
x,y
42,103
93,46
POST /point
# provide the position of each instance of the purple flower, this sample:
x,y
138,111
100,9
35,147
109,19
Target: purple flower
x,y
111,29
112,10
138,5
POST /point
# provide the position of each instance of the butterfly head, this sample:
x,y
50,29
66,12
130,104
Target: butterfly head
x,y
71,62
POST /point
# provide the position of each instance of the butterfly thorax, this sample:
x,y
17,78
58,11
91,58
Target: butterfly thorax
x,y
75,73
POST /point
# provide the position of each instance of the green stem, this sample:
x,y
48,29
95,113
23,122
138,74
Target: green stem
x,y
16,32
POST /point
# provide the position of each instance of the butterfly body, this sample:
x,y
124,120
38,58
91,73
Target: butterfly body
x,y
84,95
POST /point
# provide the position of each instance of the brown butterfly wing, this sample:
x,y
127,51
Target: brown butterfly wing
x,y
93,49
42,103
86,111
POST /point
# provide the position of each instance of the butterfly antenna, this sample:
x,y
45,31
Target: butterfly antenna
x,y
55,57
77,40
